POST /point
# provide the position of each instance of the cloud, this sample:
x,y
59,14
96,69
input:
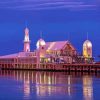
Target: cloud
x,y
48,4
56,7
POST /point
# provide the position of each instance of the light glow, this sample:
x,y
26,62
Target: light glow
x,y
40,42
87,49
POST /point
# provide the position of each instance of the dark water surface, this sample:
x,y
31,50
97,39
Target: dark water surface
x,y
31,85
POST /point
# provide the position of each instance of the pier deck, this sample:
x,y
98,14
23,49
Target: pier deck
x,y
52,67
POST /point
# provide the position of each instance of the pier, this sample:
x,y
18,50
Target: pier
x,y
51,56
53,67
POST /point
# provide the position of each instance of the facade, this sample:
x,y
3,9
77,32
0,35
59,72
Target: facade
x,y
58,51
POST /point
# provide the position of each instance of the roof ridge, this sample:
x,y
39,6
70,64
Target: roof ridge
x,y
57,41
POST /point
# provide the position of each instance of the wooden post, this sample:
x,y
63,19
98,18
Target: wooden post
x,y
38,59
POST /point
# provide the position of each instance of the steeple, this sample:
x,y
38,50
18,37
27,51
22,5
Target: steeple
x,y
26,41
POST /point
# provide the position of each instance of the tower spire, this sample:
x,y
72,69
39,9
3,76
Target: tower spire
x,y
26,40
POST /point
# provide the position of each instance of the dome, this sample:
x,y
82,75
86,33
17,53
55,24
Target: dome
x,y
40,42
87,43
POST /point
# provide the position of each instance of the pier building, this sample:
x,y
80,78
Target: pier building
x,y
57,51
57,55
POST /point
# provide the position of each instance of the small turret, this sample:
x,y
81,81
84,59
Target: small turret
x,y
87,48
26,41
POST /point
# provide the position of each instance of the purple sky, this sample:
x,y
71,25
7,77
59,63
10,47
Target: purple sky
x,y
50,4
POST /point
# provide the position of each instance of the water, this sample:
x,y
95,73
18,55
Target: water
x,y
32,85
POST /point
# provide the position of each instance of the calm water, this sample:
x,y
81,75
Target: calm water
x,y
31,85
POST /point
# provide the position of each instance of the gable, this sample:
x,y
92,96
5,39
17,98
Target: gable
x,y
69,46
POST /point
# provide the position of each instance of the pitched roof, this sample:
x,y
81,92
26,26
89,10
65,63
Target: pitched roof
x,y
20,54
57,45
10,56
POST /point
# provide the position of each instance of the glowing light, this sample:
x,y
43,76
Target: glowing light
x,y
87,49
27,88
89,44
69,87
87,88
26,41
26,35
40,42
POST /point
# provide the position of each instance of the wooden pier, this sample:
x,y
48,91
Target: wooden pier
x,y
52,67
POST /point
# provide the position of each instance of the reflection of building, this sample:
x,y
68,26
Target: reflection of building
x,y
42,83
46,84
87,88
26,85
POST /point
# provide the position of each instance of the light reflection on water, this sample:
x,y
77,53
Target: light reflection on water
x,y
31,85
